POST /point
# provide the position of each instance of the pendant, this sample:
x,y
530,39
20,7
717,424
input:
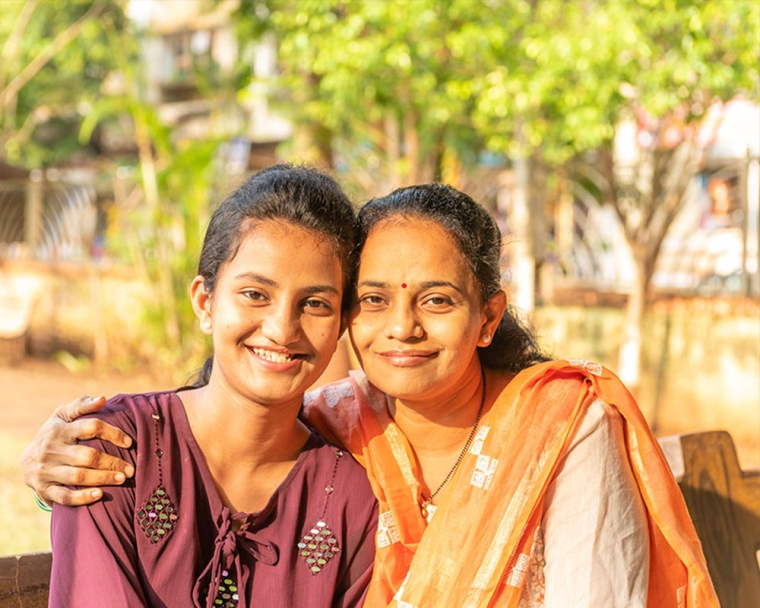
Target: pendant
x,y
428,510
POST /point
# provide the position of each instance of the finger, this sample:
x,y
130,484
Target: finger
x,y
79,407
71,498
85,458
92,428
86,478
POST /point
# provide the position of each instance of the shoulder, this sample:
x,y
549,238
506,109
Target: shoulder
x,y
344,397
599,423
568,376
133,412
137,405
331,395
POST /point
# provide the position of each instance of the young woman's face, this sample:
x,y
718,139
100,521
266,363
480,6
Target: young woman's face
x,y
275,314
419,315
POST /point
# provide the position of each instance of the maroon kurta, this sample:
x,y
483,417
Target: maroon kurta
x,y
166,539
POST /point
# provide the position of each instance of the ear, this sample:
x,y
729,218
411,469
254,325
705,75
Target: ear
x,y
201,300
492,313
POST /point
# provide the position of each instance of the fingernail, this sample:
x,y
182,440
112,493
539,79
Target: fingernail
x,y
119,477
96,493
127,442
129,470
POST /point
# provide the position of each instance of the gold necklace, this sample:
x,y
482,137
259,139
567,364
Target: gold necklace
x,y
427,502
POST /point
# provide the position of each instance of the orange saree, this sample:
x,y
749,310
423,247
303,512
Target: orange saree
x,y
475,551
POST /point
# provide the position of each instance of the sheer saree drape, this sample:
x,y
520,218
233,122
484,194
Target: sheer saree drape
x,y
476,550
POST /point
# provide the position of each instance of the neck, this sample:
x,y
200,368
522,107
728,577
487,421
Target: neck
x,y
438,429
249,448
440,424
234,433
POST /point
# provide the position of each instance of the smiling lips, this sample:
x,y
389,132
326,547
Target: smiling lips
x,y
407,358
275,357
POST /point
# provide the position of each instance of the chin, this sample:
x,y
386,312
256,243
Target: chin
x,y
403,388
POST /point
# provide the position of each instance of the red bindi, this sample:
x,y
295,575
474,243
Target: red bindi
x,y
403,285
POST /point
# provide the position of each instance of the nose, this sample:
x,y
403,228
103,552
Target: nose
x,y
283,323
403,322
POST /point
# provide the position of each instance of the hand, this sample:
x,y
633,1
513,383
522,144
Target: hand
x,y
55,459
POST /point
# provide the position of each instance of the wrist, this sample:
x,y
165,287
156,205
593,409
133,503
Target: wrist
x,y
42,504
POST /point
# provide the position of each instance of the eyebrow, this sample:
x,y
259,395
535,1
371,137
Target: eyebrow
x,y
423,285
311,289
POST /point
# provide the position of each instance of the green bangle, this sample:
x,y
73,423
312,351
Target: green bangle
x,y
42,505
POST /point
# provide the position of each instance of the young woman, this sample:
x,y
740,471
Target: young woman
x,y
234,500
504,479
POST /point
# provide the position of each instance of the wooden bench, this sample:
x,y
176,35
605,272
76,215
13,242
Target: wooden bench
x,y
724,504
25,580
723,500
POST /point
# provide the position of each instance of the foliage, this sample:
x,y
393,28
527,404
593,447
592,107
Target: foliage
x,y
55,56
389,92
408,91
582,67
392,79
173,194
61,86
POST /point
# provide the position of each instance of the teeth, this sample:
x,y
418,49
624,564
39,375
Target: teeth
x,y
272,356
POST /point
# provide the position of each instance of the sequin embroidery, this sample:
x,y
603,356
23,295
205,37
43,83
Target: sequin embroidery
x,y
319,545
227,592
157,516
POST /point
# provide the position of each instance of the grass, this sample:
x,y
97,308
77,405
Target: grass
x,y
25,526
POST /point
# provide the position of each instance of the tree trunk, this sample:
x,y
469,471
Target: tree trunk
x,y
523,264
313,140
411,149
629,362
313,145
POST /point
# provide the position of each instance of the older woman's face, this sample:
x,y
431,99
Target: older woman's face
x,y
419,315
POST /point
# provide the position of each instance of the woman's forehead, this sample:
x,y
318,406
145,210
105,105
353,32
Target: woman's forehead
x,y
285,250
421,248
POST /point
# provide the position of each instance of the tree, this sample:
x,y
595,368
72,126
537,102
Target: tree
x,y
170,200
585,68
383,88
53,59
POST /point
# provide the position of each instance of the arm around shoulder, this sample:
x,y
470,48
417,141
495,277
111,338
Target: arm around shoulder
x,y
55,458
95,554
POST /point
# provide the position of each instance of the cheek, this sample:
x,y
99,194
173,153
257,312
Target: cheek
x,y
323,334
362,326
458,333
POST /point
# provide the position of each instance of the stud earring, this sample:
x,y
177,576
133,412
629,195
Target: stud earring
x,y
486,338
206,326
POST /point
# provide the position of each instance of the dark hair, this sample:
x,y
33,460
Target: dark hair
x,y
476,235
298,195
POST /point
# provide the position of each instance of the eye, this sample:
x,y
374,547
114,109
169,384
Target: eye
x,y
315,306
371,302
438,303
254,295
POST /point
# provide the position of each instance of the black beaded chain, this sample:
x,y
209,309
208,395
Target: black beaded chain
x,y
428,501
